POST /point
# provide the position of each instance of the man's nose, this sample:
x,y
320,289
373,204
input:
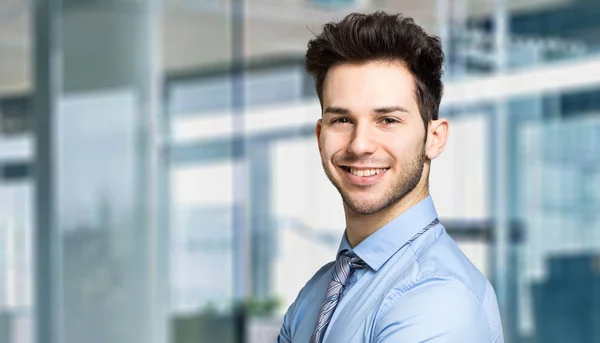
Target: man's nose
x,y
362,141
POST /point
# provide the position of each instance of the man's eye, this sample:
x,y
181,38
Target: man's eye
x,y
389,121
340,121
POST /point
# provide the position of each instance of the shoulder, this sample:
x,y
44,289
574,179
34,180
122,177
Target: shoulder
x,y
446,294
435,307
435,293
443,259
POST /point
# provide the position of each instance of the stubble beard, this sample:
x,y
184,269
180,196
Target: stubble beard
x,y
406,181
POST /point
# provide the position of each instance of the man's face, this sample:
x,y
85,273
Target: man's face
x,y
371,135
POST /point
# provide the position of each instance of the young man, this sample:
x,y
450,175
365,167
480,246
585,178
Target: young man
x,y
398,276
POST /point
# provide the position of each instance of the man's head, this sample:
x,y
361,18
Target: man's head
x,y
378,78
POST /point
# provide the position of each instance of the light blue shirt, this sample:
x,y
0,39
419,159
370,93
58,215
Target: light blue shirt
x,y
427,291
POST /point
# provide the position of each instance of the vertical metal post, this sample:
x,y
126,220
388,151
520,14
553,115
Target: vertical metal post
x,y
52,19
154,166
261,229
240,232
501,162
47,79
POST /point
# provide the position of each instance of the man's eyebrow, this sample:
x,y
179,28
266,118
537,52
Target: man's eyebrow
x,y
336,110
378,110
390,109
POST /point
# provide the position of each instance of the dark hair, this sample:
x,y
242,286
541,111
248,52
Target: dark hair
x,y
361,38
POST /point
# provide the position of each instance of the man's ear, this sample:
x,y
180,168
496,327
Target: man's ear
x,y
437,136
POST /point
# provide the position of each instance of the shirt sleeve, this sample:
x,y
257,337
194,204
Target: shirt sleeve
x,y
433,311
291,315
285,335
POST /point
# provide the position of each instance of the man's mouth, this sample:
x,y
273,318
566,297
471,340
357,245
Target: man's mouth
x,y
364,172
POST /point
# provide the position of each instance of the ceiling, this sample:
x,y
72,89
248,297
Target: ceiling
x,y
197,32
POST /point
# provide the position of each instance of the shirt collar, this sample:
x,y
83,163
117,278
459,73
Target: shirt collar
x,y
376,249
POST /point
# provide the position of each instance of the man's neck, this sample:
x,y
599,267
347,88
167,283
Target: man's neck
x,y
360,226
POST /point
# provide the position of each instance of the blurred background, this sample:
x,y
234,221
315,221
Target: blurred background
x,y
160,181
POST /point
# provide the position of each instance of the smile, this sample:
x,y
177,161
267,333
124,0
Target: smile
x,y
363,176
365,172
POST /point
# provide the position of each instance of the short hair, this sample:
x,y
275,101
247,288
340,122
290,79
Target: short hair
x,y
379,36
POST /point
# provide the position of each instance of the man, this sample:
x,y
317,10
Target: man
x,y
398,276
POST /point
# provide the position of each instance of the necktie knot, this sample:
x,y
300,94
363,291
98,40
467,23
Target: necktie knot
x,y
353,261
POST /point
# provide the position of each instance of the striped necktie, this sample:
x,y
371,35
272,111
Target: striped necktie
x,y
344,267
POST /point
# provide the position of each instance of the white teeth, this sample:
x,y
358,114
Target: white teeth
x,y
365,172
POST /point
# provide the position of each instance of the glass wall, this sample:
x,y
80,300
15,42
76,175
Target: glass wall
x,y
17,192
177,173
101,245
557,166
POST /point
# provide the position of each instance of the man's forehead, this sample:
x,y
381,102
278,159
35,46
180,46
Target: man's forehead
x,y
375,77
368,89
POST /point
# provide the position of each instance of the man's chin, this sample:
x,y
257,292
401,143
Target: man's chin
x,y
364,206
